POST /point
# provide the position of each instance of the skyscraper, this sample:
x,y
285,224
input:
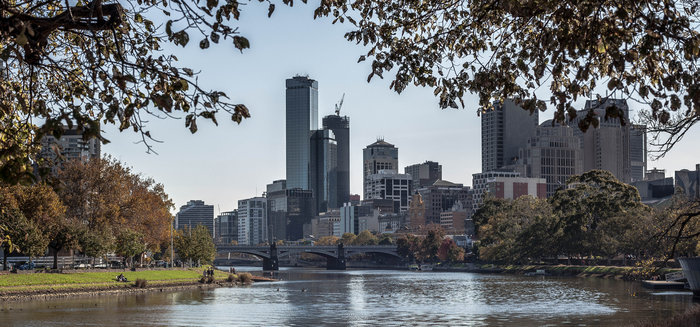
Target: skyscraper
x,y
607,147
378,156
554,154
441,196
252,221
70,146
194,213
504,131
389,185
638,152
301,119
288,211
323,165
340,125
424,174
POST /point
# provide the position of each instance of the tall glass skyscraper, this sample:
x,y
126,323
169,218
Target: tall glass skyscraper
x,y
340,125
302,118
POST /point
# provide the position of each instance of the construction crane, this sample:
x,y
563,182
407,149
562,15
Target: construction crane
x,y
339,105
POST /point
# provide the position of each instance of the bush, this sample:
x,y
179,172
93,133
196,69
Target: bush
x,y
141,283
231,278
245,278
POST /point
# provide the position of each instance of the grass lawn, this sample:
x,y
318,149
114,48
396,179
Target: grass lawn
x,y
38,281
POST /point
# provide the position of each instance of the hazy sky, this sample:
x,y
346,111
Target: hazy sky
x,y
224,164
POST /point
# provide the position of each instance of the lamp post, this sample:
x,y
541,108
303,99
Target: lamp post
x,y
172,255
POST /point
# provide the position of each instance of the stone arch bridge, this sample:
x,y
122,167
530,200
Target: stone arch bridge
x,y
335,255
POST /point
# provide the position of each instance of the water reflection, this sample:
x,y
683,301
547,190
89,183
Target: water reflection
x,y
306,297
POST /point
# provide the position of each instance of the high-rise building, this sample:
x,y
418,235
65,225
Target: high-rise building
x,y
252,221
350,217
340,125
226,227
440,197
554,154
689,182
607,147
70,146
301,119
480,185
389,185
424,174
287,211
506,185
322,170
638,152
378,156
194,213
504,131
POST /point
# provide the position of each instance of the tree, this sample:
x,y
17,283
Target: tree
x,y
107,197
348,238
129,243
595,209
195,244
431,244
91,63
42,215
365,237
327,240
647,50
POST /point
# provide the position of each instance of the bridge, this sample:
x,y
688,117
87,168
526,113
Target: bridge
x,y
335,255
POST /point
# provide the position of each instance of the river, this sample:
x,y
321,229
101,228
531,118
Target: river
x,y
311,297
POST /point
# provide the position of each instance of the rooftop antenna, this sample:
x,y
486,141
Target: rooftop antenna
x,y
339,105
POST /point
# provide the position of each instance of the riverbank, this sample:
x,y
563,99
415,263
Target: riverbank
x,y
39,285
614,272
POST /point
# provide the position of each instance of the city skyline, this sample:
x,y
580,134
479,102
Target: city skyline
x,y
239,160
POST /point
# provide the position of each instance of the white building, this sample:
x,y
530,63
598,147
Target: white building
x,y
252,221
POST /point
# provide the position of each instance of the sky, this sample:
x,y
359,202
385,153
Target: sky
x,y
226,163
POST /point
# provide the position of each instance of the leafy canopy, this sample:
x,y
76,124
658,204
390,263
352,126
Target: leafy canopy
x,y
539,52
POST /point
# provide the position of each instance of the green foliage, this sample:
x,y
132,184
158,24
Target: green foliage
x,y
646,50
348,238
327,240
129,243
595,215
365,237
595,209
431,245
195,244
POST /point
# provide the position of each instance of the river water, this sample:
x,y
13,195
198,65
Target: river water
x,y
312,297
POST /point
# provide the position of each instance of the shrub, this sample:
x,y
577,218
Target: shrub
x,y
141,283
231,278
245,278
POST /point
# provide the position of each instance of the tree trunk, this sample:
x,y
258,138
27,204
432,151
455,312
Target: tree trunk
x,y
55,259
4,259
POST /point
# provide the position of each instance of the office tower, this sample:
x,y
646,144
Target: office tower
x,y
504,131
454,219
424,174
389,185
194,213
638,152
252,221
440,197
287,211
554,154
608,146
301,119
480,185
340,126
323,165
70,146
378,156
688,182
226,227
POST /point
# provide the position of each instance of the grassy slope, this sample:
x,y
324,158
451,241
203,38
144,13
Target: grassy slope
x,y
41,281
